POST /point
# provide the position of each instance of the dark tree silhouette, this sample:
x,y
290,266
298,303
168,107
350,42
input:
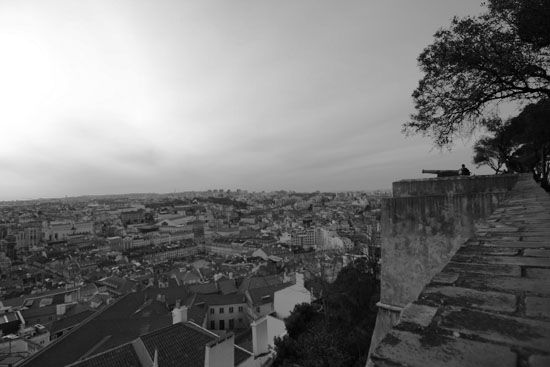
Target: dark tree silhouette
x,y
498,150
501,55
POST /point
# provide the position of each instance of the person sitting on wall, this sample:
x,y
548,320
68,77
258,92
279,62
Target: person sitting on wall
x,y
463,171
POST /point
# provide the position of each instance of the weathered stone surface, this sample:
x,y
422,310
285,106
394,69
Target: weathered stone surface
x,y
487,250
499,328
537,306
445,278
539,361
535,273
491,236
516,244
385,320
486,300
514,284
537,253
414,350
509,260
418,314
499,230
496,269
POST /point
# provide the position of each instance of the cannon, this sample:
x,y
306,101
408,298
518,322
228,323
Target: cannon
x,y
442,172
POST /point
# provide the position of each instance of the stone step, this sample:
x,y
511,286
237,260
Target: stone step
x,y
410,349
513,331
468,297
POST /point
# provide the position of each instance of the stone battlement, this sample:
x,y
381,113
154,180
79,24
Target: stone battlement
x,y
472,286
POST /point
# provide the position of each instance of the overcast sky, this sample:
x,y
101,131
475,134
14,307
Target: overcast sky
x,y
106,96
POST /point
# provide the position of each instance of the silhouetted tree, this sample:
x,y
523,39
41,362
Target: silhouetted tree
x,y
498,150
501,55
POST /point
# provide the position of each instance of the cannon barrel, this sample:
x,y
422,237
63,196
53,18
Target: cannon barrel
x,y
441,172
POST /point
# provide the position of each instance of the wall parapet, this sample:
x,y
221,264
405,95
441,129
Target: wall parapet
x,y
449,186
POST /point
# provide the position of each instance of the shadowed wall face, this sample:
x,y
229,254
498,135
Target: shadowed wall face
x,y
421,234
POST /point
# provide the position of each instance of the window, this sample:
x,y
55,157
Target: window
x,y
240,308
212,311
222,324
221,309
212,324
258,309
231,324
230,309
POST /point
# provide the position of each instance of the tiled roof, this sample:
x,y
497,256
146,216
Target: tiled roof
x,y
258,282
177,344
171,294
181,344
227,286
113,326
220,299
206,288
265,294
490,305
123,356
70,321
196,314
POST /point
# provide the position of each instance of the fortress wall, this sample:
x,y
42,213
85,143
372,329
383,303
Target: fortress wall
x,y
422,227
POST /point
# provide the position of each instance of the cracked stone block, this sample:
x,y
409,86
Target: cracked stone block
x,y
445,278
537,307
492,269
537,253
418,314
497,328
539,286
459,296
516,244
535,273
411,349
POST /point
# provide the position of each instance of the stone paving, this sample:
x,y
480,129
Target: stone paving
x,y
490,306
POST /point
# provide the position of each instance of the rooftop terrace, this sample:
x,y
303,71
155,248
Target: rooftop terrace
x,y
490,303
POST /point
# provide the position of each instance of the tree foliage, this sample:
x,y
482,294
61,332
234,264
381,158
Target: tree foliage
x,y
522,143
497,151
337,330
478,62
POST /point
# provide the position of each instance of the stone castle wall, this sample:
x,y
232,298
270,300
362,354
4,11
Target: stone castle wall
x,y
423,225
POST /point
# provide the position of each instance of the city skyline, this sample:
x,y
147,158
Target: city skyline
x,y
103,98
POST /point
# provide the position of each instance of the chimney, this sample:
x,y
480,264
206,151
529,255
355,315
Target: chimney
x,y
179,314
220,352
259,337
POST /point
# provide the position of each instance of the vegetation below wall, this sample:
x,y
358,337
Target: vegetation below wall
x,y
335,330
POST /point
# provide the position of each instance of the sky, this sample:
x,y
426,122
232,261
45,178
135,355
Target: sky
x,y
105,97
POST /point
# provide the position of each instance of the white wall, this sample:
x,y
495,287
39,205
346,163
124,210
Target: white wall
x,y
221,354
286,299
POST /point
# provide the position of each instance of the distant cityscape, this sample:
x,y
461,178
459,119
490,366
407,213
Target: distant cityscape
x,y
221,254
